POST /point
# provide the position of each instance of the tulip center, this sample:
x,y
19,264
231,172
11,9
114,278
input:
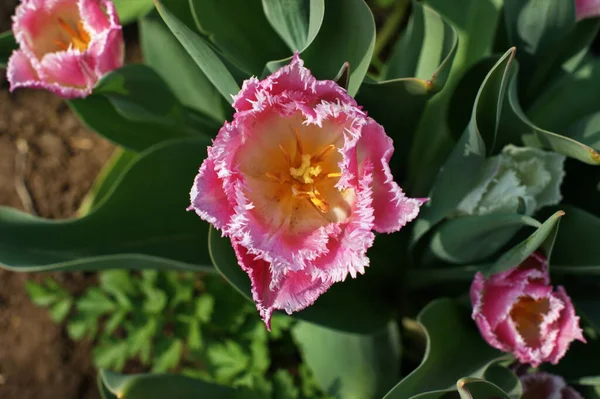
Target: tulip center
x,y
528,314
72,36
304,172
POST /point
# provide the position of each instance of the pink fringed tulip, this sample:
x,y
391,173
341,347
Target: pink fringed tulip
x,y
299,181
517,311
587,8
546,386
65,45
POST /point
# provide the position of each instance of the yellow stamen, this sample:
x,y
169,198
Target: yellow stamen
x,y
79,38
333,175
298,142
321,155
286,155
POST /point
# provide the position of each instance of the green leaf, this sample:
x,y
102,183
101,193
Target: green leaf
x,y
140,338
577,89
155,300
167,357
194,337
283,386
94,301
240,29
339,308
118,282
60,310
110,174
462,170
419,67
80,325
455,240
41,295
160,386
110,354
543,238
228,360
576,250
455,349
143,223
475,388
202,53
516,124
114,321
505,379
97,113
347,35
130,10
296,22
204,308
166,55
7,45
350,365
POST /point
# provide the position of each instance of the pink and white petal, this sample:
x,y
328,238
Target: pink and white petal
x,y
488,334
568,327
296,291
392,209
68,68
208,197
108,50
347,252
20,72
587,8
496,300
95,15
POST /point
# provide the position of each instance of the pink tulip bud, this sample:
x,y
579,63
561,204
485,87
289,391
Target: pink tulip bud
x,y
587,8
517,311
298,181
65,45
546,386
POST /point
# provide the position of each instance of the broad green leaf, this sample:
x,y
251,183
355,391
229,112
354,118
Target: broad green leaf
x,y
432,139
543,238
142,222
463,168
241,30
577,89
111,172
576,250
504,378
40,294
139,94
587,131
355,305
348,365
517,124
547,38
202,53
160,386
347,35
166,55
7,45
130,10
419,67
455,349
468,239
475,388
296,22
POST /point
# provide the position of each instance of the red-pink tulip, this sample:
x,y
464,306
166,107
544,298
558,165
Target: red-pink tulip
x,y
298,181
517,311
587,8
65,46
546,386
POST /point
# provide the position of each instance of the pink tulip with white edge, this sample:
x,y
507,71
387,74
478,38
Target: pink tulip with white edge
x,y
299,181
65,46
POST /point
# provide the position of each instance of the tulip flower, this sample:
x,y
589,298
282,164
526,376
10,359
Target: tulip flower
x,y
299,181
65,46
546,386
587,8
517,311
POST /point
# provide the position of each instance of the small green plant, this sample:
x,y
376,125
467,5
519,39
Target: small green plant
x,y
172,321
